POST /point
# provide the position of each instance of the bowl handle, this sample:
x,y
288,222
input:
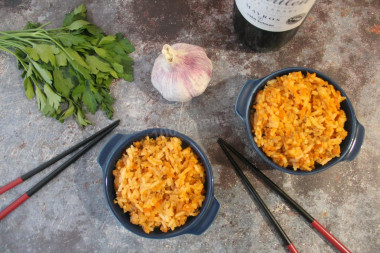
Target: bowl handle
x,y
206,221
357,142
243,97
108,148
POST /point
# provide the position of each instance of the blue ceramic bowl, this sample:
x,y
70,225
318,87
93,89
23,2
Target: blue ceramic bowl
x,y
350,146
112,152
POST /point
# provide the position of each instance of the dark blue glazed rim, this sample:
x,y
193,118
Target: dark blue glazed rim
x,y
111,153
351,145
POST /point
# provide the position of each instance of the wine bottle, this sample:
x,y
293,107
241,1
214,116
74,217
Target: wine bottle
x,y
265,25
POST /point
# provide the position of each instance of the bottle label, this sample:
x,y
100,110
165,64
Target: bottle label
x,y
275,15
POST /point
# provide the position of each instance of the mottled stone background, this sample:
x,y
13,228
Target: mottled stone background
x,y
339,38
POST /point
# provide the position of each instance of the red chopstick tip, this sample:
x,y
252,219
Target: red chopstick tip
x,y
292,249
11,185
321,229
13,206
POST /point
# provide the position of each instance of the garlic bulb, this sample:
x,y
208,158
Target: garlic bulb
x,y
181,72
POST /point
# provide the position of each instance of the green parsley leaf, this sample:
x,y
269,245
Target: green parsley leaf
x,y
41,99
61,59
125,44
42,72
119,68
45,52
68,39
53,99
81,118
80,10
94,30
77,58
101,52
78,92
79,13
97,65
77,25
107,40
89,100
29,71
67,113
29,92
62,84
31,25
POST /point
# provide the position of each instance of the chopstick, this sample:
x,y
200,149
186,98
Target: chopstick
x,y
53,160
57,171
261,203
322,230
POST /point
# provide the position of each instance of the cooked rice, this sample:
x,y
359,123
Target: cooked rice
x,y
297,121
159,183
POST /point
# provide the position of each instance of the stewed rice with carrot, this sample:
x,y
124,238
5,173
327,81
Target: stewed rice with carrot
x,y
159,183
297,121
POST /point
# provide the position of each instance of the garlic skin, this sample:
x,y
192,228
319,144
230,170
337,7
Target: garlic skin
x,y
181,72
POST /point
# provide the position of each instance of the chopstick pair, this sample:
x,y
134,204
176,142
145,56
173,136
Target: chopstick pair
x,y
88,143
322,230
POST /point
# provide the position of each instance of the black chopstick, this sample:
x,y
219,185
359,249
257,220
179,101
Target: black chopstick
x,y
55,172
322,230
269,182
261,203
46,164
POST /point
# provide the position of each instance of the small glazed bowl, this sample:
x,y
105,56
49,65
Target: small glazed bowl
x,y
112,152
350,146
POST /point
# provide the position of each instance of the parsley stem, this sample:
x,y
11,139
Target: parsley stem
x,y
18,58
17,37
8,43
37,29
42,26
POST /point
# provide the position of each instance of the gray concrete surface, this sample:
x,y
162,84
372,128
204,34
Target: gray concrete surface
x,y
70,213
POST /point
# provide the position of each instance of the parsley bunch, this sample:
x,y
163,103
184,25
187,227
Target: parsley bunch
x,y
69,69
